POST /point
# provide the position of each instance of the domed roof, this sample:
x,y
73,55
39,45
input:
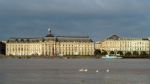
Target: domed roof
x,y
49,35
114,37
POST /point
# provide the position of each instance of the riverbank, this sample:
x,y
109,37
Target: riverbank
x,y
49,57
68,57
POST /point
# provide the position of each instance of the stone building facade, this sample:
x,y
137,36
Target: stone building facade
x,y
117,44
50,45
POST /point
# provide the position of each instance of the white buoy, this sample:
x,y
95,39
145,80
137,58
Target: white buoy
x,y
97,71
107,70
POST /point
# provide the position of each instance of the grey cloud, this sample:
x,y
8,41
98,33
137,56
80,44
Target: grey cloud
x,y
73,6
97,18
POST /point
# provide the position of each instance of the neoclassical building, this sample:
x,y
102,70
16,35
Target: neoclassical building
x,y
50,45
116,44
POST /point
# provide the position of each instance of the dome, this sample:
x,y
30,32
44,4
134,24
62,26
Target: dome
x,y
49,35
114,37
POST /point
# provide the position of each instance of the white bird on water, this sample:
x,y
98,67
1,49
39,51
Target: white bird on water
x,y
81,70
107,70
97,71
85,70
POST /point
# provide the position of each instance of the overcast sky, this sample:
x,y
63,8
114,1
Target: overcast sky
x,y
96,18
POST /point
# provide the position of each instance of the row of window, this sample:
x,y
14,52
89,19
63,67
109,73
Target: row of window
x,y
135,43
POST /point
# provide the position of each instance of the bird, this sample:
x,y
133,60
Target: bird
x,y
85,70
107,70
81,70
97,70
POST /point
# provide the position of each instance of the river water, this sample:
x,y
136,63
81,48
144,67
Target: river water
x,y
69,71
